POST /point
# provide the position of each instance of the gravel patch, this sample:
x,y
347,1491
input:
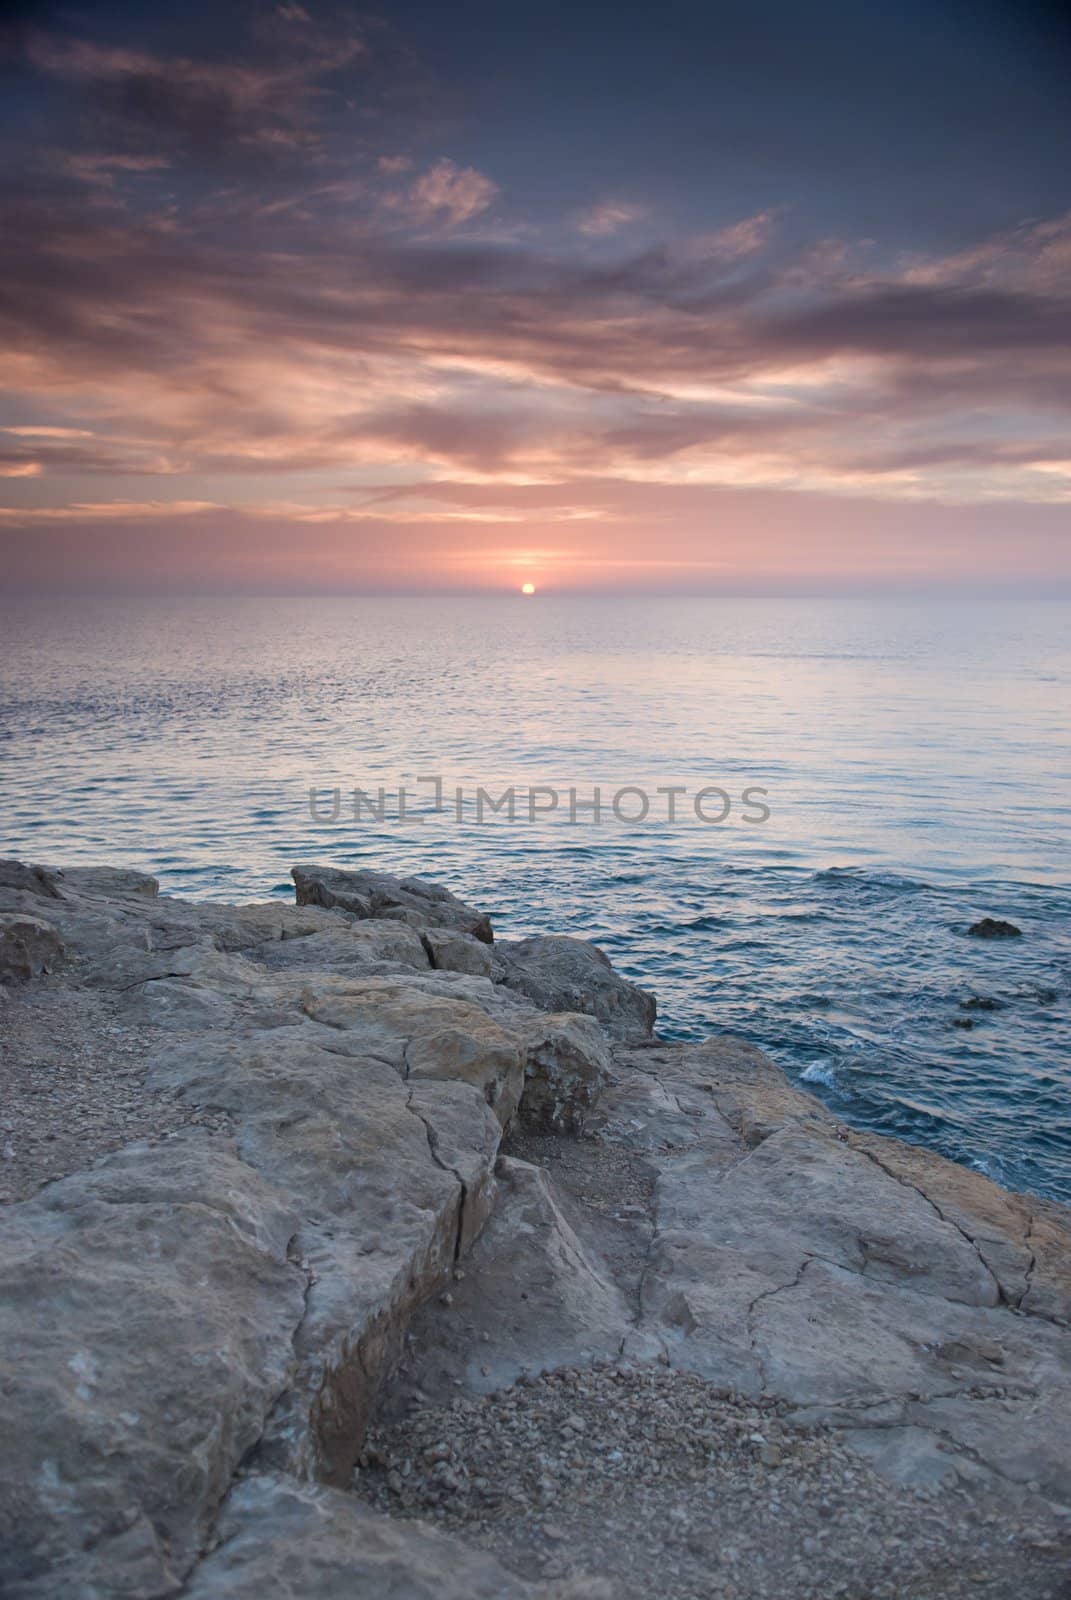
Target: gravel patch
x,y
607,1179
72,1085
670,1487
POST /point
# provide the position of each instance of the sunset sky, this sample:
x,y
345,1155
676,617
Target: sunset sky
x,y
751,297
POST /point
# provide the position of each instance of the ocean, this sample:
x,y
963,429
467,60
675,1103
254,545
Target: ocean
x,y
912,756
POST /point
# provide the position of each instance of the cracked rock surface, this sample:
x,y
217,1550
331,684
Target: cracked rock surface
x,y
622,1316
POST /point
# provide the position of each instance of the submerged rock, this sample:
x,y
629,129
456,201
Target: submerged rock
x,y
994,928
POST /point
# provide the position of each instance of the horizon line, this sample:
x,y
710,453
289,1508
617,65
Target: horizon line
x,y
949,590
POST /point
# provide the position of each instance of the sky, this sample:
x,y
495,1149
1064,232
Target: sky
x,y
754,297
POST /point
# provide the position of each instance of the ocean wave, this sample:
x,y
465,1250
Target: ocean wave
x,y
866,878
820,1072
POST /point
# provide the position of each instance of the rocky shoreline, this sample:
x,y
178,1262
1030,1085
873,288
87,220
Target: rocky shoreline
x,y
349,1251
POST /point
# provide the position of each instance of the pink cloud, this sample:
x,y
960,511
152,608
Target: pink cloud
x,y
454,193
609,217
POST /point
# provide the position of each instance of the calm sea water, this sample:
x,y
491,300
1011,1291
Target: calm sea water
x,y
915,756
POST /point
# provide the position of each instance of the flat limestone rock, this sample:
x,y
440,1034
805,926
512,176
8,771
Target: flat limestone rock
x,y
424,1034
25,879
280,1540
1022,1240
147,1309
391,1178
861,1281
801,1195
110,882
566,1069
178,1309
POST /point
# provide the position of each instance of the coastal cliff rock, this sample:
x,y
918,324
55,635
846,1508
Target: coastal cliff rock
x,y
451,950
561,974
372,1180
378,894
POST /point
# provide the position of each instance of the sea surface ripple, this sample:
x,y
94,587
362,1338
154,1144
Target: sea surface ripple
x,y
914,756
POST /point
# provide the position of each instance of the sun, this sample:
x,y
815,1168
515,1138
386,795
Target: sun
x,y
528,588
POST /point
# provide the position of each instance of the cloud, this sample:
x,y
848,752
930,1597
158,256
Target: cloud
x,y
290,340
456,194
297,342
40,431
103,168
736,241
416,509
109,511
391,166
147,111
1035,254
609,217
